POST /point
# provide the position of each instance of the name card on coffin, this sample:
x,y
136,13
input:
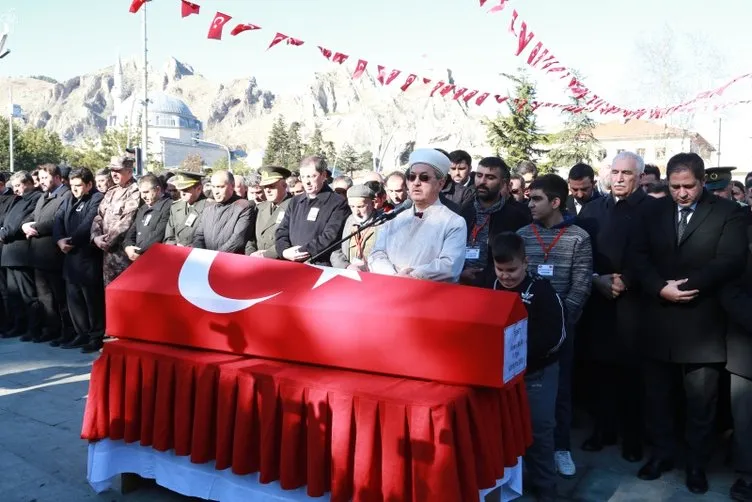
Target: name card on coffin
x,y
319,315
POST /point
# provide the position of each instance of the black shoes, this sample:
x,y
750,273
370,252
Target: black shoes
x,y
12,333
30,336
631,450
697,482
598,440
92,346
78,342
47,337
653,469
741,491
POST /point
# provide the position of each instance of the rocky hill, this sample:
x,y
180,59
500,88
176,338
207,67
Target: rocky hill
x,y
361,112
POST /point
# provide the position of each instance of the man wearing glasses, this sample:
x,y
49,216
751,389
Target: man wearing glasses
x,y
428,240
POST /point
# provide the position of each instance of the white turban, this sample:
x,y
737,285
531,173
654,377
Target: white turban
x,y
431,157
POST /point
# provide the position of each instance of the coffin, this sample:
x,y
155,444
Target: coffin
x,y
319,315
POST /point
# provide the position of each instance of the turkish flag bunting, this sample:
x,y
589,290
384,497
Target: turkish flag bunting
x,y
408,82
458,94
339,57
482,2
136,5
392,76
447,89
481,98
360,68
381,75
243,27
437,87
499,7
426,80
326,52
470,95
215,30
294,41
500,99
188,8
277,39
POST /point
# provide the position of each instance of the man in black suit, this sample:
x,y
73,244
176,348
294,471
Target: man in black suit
x,y
582,190
689,247
610,325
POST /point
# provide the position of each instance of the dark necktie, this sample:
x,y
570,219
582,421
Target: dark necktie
x,y
683,222
419,215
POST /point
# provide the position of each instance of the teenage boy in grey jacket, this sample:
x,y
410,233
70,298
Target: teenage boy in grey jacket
x,y
560,251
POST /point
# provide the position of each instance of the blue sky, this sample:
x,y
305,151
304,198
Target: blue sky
x,y
597,37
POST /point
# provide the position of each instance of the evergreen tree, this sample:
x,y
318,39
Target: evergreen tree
x,y
329,152
31,146
277,144
365,161
294,147
347,161
575,142
516,136
97,156
315,145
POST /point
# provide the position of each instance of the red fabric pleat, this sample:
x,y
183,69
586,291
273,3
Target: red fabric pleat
x,y
359,437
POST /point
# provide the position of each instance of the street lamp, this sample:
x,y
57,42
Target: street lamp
x,y
196,141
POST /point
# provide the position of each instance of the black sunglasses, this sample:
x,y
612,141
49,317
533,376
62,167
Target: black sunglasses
x,y
423,177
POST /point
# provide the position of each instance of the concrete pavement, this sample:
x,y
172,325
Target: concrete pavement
x,y
42,458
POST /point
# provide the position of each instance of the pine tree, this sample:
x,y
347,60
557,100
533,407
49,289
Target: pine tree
x,y
330,153
277,144
516,136
315,145
365,161
575,142
347,161
294,147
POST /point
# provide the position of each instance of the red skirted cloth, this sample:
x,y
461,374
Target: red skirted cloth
x,y
358,436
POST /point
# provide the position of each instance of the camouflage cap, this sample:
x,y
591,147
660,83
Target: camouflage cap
x,y
119,162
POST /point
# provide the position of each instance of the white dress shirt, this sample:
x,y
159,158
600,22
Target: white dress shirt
x,y
433,246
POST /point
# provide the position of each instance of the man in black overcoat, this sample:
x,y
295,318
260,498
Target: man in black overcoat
x,y
690,247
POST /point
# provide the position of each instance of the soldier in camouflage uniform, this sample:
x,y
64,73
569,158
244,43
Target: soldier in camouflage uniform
x,y
115,216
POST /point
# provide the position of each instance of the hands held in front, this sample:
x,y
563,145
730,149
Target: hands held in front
x,y
672,293
609,285
133,252
65,245
29,230
101,243
295,254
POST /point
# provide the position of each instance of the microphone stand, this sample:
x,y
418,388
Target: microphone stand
x,y
375,219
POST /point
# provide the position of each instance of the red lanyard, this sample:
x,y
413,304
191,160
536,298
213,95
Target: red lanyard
x,y
547,250
477,228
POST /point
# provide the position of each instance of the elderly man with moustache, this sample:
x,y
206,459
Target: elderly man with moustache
x,y
610,325
428,240
115,216
223,226
269,214
354,251
313,221
184,213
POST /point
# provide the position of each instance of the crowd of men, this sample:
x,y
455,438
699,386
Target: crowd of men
x,y
636,283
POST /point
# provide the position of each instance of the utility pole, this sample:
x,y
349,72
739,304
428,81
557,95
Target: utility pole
x,y
10,127
720,120
145,115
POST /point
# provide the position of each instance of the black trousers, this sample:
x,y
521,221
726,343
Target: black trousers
x,y
86,307
21,295
741,409
6,321
51,306
617,395
700,389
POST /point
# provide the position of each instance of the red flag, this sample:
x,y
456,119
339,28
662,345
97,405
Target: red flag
x,y
426,80
189,8
360,68
243,27
482,2
326,52
481,98
499,7
470,95
394,74
500,99
408,82
339,57
277,39
447,89
458,94
136,5
294,41
437,87
381,76
215,30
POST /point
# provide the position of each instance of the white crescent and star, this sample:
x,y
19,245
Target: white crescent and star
x,y
219,21
193,284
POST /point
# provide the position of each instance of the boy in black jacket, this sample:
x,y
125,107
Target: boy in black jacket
x,y
546,333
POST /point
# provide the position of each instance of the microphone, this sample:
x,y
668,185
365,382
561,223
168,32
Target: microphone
x,y
408,204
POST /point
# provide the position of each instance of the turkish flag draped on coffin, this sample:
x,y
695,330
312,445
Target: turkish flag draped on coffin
x,y
319,315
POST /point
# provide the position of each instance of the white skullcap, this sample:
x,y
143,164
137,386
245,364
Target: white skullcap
x,y
431,157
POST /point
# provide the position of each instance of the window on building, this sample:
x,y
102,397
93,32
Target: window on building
x,y
660,153
641,152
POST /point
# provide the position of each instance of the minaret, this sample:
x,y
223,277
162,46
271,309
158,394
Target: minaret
x,y
117,87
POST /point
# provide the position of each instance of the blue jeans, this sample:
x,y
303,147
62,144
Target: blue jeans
x,y
564,394
542,388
